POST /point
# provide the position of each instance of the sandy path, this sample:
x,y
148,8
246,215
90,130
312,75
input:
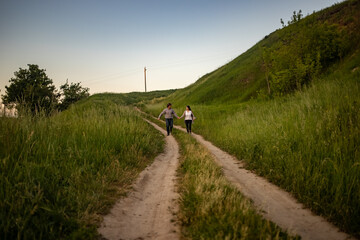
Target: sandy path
x,y
148,212
274,203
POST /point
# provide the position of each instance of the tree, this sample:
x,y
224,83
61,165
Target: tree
x,y
282,22
297,16
266,64
31,89
71,94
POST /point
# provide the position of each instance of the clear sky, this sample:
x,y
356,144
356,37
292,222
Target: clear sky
x,y
105,44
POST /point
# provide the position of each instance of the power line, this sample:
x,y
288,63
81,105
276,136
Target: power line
x,y
191,60
113,75
183,62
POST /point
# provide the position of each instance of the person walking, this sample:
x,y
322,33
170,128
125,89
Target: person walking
x,y
169,112
189,118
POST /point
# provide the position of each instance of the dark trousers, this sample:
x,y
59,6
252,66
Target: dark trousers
x,y
188,125
169,125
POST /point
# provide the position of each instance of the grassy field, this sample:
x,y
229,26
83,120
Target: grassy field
x,y
132,98
210,208
306,141
59,174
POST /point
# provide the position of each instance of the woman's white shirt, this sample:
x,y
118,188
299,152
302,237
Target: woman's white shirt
x,y
188,115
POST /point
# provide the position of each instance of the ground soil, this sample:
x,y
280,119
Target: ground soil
x,y
149,211
274,203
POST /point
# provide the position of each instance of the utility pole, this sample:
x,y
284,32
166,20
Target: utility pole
x,y
145,77
1,108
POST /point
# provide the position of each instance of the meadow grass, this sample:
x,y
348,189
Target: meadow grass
x,y
132,98
307,142
58,174
210,207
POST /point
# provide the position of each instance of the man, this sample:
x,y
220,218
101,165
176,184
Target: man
x,y
169,112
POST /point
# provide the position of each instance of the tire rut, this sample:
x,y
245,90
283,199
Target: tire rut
x,y
274,203
149,211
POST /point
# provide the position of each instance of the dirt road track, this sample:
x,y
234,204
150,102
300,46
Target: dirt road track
x,y
149,211
274,203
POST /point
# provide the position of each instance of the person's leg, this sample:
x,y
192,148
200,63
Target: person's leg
x,y
171,124
167,126
190,122
187,125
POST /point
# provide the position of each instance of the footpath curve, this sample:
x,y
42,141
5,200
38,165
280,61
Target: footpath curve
x,y
148,212
274,203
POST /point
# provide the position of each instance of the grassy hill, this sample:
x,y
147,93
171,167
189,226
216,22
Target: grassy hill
x,y
242,78
59,173
304,133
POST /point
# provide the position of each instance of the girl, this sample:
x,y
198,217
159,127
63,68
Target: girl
x,y
189,118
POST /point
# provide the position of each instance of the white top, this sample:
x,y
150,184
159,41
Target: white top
x,y
188,115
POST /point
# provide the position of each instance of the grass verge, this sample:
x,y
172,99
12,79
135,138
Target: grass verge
x,y
58,174
307,142
210,207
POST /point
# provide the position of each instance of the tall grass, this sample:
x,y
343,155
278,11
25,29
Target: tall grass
x,y
58,174
210,208
308,142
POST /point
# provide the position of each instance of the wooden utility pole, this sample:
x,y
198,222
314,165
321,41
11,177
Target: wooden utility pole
x,y
145,77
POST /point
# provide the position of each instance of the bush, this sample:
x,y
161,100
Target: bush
x,y
71,94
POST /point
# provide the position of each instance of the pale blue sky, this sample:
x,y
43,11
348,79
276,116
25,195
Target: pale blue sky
x,y
106,44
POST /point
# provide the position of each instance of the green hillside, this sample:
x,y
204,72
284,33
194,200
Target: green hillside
x,y
304,135
240,79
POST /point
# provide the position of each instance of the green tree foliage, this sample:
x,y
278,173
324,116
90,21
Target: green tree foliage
x,y
301,56
266,65
297,16
72,93
31,89
282,22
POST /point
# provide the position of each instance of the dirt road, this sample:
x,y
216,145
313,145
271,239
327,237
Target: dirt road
x,y
149,211
273,203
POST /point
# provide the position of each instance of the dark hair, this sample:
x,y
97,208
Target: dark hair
x,y
188,107
169,104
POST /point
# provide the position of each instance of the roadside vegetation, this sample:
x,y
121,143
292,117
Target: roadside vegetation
x,y
289,108
210,207
303,134
132,98
59,173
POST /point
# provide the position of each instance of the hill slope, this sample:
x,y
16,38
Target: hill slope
x,y
240,79
304,135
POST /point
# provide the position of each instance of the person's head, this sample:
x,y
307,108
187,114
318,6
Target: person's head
x,y
169,105
188,108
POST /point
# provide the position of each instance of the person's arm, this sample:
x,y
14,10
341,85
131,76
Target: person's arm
x,y
162,113
175,114
182,115
192,115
